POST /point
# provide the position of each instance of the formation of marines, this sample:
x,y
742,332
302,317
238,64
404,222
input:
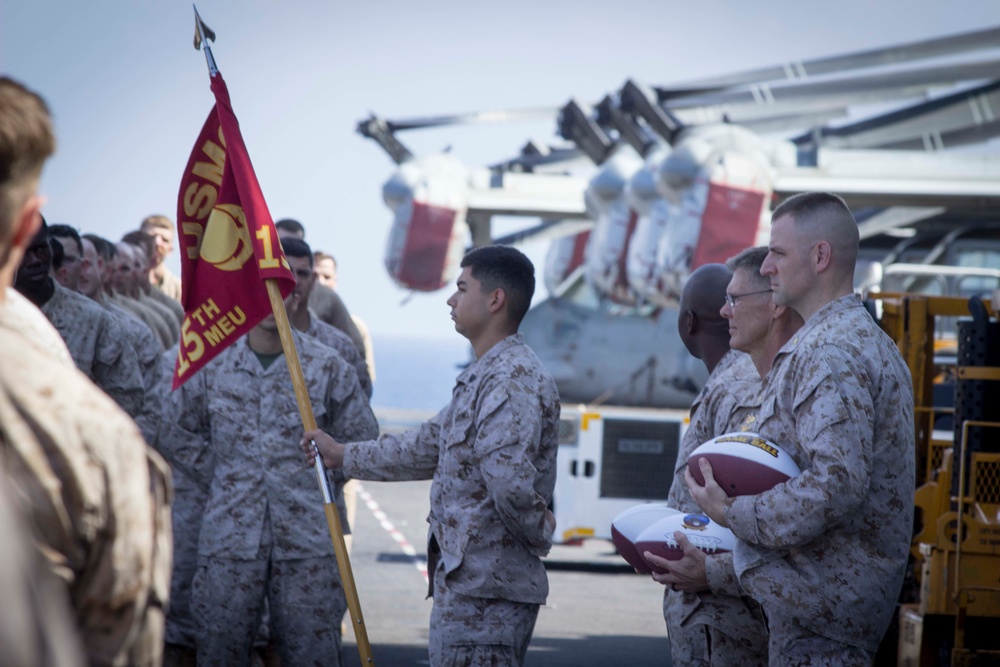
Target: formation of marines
x,y
160,527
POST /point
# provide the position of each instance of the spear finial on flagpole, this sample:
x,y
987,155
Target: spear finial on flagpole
x,y
202,33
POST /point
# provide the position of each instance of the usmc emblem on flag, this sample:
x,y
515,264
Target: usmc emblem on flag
x,y
226,242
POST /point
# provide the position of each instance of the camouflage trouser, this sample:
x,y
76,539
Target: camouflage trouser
x,y
727,651
189,505
792,645
477,632
688,645
697,638
306,605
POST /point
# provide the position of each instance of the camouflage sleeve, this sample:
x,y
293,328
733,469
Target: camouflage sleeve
x,y
721,575
509,431
37,626
833,428
335,313
156,379
397,457
116,368
351,356
185,430
115,590
679,497
352,417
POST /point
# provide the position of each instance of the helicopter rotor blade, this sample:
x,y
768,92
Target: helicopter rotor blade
x,y
377,129
534,156
968,116
473,118
868,88
798,70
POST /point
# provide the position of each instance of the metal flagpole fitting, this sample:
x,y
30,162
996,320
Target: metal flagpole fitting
x,y
202,33
324,479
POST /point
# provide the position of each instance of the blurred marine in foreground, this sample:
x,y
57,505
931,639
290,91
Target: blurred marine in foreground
x,y
93,492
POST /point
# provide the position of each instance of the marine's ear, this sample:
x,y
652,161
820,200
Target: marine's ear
x,y
27,222
498,299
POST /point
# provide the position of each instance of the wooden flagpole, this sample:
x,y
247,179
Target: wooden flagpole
x,y
332,516
306,413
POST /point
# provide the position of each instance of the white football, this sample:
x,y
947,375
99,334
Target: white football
x,y
743,464
629,524
701,531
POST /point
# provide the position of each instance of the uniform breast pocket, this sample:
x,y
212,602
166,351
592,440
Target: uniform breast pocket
x,y
459,431
766,411
769,421
234,437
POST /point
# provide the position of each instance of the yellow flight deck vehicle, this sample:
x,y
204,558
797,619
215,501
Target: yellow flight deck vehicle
x,y
950,611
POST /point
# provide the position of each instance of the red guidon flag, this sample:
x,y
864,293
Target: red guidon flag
x,y
229,246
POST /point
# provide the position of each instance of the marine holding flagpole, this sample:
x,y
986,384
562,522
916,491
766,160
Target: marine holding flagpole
x,y
234,427
492,456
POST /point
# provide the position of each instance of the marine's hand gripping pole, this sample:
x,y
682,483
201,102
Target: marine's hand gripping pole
x,y
332,516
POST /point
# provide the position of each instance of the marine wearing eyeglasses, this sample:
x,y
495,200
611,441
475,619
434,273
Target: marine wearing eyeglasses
x,y
733,299
756,325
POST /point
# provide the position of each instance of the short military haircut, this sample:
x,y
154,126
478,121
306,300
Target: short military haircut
x,y
750,260
26,140
152,222
827,217
291,226
294,247
58,253
65,231
143,240
319,256
105,248
43,235
506,268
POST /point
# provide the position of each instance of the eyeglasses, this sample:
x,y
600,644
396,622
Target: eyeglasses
x,y
733,299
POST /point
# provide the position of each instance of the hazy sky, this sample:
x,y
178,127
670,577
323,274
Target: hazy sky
x,y
129,94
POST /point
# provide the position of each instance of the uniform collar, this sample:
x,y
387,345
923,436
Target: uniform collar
x,y
835,309
471,371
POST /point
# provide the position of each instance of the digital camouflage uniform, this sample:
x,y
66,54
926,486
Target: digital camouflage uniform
x,y
22,315
98,345
152,320
717,627
164,313
36,626
147,349
173,306
264,531
97,496
825,552
169,284
145,343
189,500
340,342
328,305
492,455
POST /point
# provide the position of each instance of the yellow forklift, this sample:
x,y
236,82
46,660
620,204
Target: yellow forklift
x,y
950,605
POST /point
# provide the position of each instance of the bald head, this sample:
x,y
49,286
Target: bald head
x,y
703,330
705,292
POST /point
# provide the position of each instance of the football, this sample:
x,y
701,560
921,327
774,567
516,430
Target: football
x,y
627,526
701,531
743,464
